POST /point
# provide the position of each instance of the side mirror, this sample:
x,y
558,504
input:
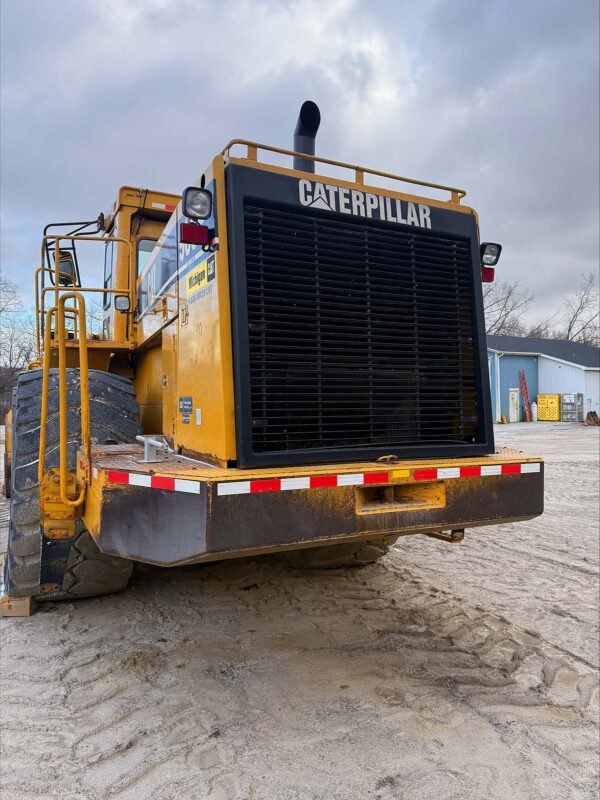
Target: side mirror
x,y
196,203
66,268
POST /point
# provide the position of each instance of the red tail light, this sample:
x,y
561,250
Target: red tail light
x,y
487,274
190,233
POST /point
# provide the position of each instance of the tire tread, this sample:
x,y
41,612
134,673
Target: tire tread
x,y
114,416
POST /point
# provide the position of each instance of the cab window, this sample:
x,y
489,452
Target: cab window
x,y
108,267
144,248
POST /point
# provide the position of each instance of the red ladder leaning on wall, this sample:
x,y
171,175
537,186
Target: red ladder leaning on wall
x,y
525,395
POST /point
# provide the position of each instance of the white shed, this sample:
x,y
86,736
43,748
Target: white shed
x,y
591,392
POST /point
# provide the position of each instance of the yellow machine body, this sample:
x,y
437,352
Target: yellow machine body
x,y
174,340
178,339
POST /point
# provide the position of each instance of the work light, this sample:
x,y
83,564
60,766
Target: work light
x,y
122,302
196,203
490,253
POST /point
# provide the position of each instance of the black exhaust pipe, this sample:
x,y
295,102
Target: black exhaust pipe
x,y
307,126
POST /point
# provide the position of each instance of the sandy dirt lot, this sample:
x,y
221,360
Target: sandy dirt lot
x,y
444,671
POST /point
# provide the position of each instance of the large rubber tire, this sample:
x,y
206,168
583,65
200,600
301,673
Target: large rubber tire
x,y
335,556
114,418
6,479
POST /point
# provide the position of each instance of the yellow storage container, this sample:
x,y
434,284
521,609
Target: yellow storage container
x,y
549,407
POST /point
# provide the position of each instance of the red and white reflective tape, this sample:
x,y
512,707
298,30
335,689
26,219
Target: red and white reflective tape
x,y
366,478
481,471
164,206
318,481
153,481
308,482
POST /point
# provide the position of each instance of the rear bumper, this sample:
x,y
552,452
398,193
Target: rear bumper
x,y
172,513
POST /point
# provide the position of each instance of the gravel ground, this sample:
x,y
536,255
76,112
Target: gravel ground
x,y
444,671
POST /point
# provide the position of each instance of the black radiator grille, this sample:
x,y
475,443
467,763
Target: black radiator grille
x,y
360,333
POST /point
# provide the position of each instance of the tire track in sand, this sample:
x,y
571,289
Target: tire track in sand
x,y
248,680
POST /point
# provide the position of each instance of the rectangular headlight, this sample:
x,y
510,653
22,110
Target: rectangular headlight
x,y
490,253
196,203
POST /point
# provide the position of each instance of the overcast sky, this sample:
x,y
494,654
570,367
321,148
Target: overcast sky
x,y
497,97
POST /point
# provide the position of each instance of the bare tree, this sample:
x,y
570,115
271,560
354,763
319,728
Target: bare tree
x,y
505,304
17,339
94,315
544,329
9,296
581,313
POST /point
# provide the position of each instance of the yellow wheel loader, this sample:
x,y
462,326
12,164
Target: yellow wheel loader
x,y
292,358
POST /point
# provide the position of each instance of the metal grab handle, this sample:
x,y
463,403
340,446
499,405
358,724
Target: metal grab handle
x,y
58,314
152,447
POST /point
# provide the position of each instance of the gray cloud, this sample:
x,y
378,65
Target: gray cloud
x,y
500,98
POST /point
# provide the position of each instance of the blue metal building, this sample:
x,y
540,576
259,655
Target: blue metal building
x,y
551,367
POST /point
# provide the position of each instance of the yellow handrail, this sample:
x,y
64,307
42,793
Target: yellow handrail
x,y
40,309
359,172
58,313
56,289
45,388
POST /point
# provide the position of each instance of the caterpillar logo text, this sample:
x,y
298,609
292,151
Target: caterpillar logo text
x,y
363,204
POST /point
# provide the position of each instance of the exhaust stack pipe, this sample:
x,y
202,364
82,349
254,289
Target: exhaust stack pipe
x,y
307,126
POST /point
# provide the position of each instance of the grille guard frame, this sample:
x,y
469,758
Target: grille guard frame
x,y
251,182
